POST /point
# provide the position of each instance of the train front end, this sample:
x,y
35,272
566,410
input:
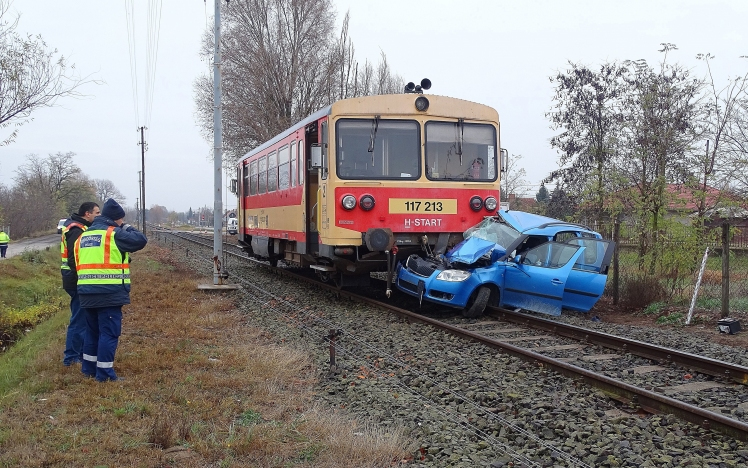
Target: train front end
x,y
404,174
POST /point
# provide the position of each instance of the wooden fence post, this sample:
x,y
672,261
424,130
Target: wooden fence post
x,y
725,269
616,278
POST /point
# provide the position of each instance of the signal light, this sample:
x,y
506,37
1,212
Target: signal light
x,y
422,104
476,203
366,202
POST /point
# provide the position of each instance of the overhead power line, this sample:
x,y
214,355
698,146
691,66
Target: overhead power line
x,y
143,110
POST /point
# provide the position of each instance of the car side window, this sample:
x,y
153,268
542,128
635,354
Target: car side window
x,y
550,255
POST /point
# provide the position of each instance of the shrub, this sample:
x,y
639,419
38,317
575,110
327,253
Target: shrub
x,y
14,321
641,290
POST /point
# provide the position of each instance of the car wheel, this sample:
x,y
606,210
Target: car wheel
x,y
478,303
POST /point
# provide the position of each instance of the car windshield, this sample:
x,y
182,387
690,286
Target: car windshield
x,y
492,230
460,151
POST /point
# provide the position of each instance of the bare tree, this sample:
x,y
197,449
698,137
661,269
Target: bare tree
x,y
661,113
105,189
738,154
514,182
586,110
31,75
723,120
281,62
54,177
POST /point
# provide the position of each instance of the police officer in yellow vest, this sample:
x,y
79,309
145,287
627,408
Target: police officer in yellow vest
x,y
72,228
4,239
102,261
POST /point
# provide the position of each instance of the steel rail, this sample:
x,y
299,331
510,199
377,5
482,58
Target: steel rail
x,y
647,400
703,364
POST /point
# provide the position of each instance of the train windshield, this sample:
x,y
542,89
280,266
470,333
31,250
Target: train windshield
x,y
460,151
377,149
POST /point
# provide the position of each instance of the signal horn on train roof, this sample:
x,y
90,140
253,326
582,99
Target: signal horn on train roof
x,y
414,88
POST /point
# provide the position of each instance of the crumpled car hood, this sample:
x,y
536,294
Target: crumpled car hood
x,y
473,248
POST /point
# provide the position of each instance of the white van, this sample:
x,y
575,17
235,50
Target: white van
x,y
231,226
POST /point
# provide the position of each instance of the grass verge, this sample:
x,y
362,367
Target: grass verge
x,y
203,388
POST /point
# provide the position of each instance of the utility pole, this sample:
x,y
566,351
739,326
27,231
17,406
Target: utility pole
x,y
140,194
219,269
142,186
218,274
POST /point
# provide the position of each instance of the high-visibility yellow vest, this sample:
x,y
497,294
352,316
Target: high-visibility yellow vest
x,y
99,261
64,244
4,238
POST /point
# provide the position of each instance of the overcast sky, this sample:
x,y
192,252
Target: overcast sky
x,y
499,53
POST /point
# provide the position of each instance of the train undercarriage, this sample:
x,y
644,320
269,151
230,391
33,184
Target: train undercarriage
x,y
351,265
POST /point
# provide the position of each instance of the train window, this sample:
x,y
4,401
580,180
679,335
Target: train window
x,y
272,172
460,151
284,165
252,182
302,163
377,149
245,176
293,164
325,144
262,175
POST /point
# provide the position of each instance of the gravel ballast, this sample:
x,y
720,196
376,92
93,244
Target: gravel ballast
x,y
467,405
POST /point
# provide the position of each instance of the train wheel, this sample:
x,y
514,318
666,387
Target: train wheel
x,y
273,262
478,303
337,278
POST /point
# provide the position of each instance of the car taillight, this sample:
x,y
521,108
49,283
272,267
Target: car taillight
x,y
476,203
490,203
366,202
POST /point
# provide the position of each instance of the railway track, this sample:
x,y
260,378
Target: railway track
x,y
614,364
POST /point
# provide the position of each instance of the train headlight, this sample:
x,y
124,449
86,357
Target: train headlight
x,y
490,203
366,202
422,104
453,276
476,203
349,202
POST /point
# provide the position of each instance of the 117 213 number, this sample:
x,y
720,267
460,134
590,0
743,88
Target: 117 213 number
x,y
429,206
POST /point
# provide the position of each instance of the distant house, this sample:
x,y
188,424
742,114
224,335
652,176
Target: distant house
x,y
721,207
522,204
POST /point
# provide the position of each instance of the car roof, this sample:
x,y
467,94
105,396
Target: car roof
x,y
533,224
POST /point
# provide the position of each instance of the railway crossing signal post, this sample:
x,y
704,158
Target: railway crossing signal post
x,y
219,269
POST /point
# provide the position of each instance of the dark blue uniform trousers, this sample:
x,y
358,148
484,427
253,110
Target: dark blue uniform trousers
x,y
103,327
76,330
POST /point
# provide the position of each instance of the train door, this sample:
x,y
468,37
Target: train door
x,y
311,188
242,193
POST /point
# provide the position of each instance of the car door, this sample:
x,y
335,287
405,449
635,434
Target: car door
x,y
589,274
537,281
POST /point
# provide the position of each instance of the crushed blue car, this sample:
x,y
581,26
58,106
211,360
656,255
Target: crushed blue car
x,y
514,259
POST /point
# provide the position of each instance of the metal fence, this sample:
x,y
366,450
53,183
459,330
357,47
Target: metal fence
x,y
674,277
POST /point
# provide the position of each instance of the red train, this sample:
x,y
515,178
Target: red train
x,y
367,181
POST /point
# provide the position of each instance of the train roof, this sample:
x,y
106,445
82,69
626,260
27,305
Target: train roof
x,y
404,104
394,105
301,124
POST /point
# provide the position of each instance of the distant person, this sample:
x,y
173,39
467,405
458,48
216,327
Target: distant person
x,y
72,228
103,264
4,239
475,168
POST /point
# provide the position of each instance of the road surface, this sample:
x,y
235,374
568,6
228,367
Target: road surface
x,y
15,247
